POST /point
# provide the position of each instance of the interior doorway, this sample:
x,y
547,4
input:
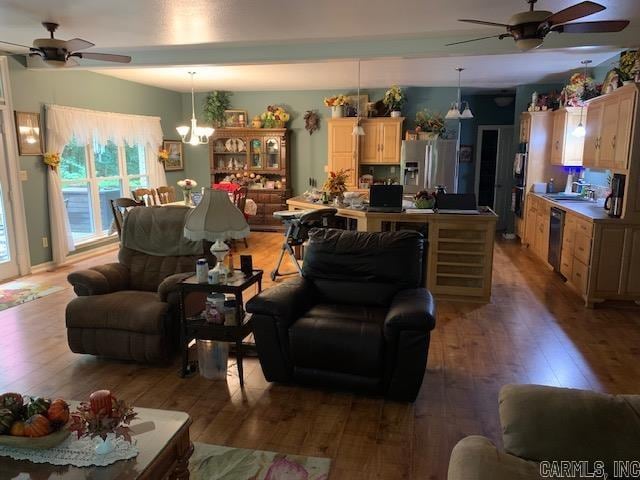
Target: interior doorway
x,y
8,254
493,170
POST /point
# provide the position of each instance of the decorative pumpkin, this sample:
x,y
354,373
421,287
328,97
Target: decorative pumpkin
x,y
17,429
58,412
6,419
38,405
12,401
101,401
37,426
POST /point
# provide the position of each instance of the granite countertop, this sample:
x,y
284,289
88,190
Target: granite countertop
x,y
593,211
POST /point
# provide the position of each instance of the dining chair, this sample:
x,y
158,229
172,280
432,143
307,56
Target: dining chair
x,y
240,201
166,194
139,195
119,207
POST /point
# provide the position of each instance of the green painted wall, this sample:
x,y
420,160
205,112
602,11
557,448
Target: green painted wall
x,y
32,89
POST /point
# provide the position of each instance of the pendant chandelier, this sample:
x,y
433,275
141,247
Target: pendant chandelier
x,y
357,128
199,135
459,110
580,131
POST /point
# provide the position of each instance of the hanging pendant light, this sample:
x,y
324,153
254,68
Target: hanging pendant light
x,y
459,110
199,135
580,131
357,128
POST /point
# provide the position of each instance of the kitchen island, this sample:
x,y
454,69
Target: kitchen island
x,y
460,247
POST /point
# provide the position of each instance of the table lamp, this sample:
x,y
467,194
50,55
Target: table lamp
x,y
216,219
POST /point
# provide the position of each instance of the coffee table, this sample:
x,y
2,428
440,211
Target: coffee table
x,y
165,448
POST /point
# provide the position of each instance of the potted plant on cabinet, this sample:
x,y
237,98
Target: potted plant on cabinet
x,y
336,104
214,106
429,125
394,99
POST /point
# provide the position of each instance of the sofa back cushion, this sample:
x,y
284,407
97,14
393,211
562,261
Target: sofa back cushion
x,y
148,271
361,267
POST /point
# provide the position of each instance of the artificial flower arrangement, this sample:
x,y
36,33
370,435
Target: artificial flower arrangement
x,y
335,184
163,155
101,415
336,101
424,199
579,89
394,98
52,159
275,116
428,121
628,65
187,184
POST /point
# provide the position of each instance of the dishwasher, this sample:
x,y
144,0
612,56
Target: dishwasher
x,y
556,225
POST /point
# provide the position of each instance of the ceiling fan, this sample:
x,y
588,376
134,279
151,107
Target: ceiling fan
x,y
528,29
62,53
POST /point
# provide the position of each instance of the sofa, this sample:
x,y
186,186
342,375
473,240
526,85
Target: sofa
x,y
544,426
358,317
128,310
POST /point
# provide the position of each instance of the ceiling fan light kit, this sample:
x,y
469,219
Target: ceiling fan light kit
x,y
528,29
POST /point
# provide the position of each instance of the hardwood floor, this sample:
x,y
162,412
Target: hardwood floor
x,y
535,330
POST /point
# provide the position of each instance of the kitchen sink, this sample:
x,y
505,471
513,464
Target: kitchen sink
x,y
565,197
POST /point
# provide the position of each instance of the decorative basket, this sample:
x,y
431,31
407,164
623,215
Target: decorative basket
x,y
39,443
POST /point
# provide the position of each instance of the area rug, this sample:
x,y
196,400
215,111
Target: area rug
x,y
18,292
214,462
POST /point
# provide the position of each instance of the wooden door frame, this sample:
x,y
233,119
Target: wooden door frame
x,y
481,130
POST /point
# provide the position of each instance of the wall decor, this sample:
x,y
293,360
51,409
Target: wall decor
x,y
357,104
466,154
311,121
235,119
29,137
175,160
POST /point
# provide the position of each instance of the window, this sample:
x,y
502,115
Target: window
x,y
94,174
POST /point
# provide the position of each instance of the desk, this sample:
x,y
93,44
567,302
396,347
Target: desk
x,y
460,252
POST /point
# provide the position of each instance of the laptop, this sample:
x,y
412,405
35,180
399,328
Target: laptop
x,y
457,203
385,198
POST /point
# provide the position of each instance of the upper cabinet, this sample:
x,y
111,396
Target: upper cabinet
x,y
609,127
566,148
342,147
381,141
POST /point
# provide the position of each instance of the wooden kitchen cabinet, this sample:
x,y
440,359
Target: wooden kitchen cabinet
x,y
608,129
566,148
381,141
342,150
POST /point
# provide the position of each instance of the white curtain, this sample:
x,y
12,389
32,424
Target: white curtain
x,y
63,124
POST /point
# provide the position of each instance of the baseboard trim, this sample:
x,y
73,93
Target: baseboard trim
x,y
75,258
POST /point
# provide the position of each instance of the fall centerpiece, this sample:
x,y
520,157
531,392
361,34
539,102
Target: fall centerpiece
x,y
336,104
105,417
275,117
32,422
580,88
394,99
429,122
424,199
336,184
187,185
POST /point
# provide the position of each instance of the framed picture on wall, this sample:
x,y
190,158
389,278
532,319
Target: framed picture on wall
x,y
175,161
29,134
235,118
466,153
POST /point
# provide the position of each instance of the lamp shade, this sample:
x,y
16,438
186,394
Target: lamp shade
x,y
453,113
215,218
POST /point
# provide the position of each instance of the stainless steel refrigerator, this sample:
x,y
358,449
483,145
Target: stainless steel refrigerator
x,y
425,164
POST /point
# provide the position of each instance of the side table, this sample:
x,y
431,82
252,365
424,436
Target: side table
x,y
196,327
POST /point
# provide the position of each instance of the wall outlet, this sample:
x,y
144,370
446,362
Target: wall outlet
x,y
392,169
326,169
45,242
23,176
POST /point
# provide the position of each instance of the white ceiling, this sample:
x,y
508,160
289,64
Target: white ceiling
x,y
304,44
484,71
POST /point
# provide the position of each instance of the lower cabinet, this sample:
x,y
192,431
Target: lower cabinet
x,y
268,201
537,223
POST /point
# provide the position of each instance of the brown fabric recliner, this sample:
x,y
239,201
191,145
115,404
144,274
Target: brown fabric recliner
x,y
129,310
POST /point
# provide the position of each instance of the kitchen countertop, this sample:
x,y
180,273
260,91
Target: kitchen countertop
x,y
592,211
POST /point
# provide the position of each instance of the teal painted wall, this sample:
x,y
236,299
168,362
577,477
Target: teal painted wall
x,y
32,89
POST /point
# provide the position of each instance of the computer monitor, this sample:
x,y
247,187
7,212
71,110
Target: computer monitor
x,y
385,198
456,201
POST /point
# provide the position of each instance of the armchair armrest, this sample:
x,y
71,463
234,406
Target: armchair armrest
x,y
285,302
170,284
411,309
99,280
548,423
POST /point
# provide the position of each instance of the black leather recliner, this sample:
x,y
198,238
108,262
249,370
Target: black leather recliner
x,y
358,318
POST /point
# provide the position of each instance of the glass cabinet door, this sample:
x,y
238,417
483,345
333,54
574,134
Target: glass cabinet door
x,y
273,153
230,154
256,154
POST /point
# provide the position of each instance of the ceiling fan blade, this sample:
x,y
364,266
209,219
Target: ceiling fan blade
x,y
15,44
592,27
76,44
569,14
473,40
482,22
105,57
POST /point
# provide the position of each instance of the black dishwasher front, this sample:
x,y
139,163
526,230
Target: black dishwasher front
x,y
556,226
